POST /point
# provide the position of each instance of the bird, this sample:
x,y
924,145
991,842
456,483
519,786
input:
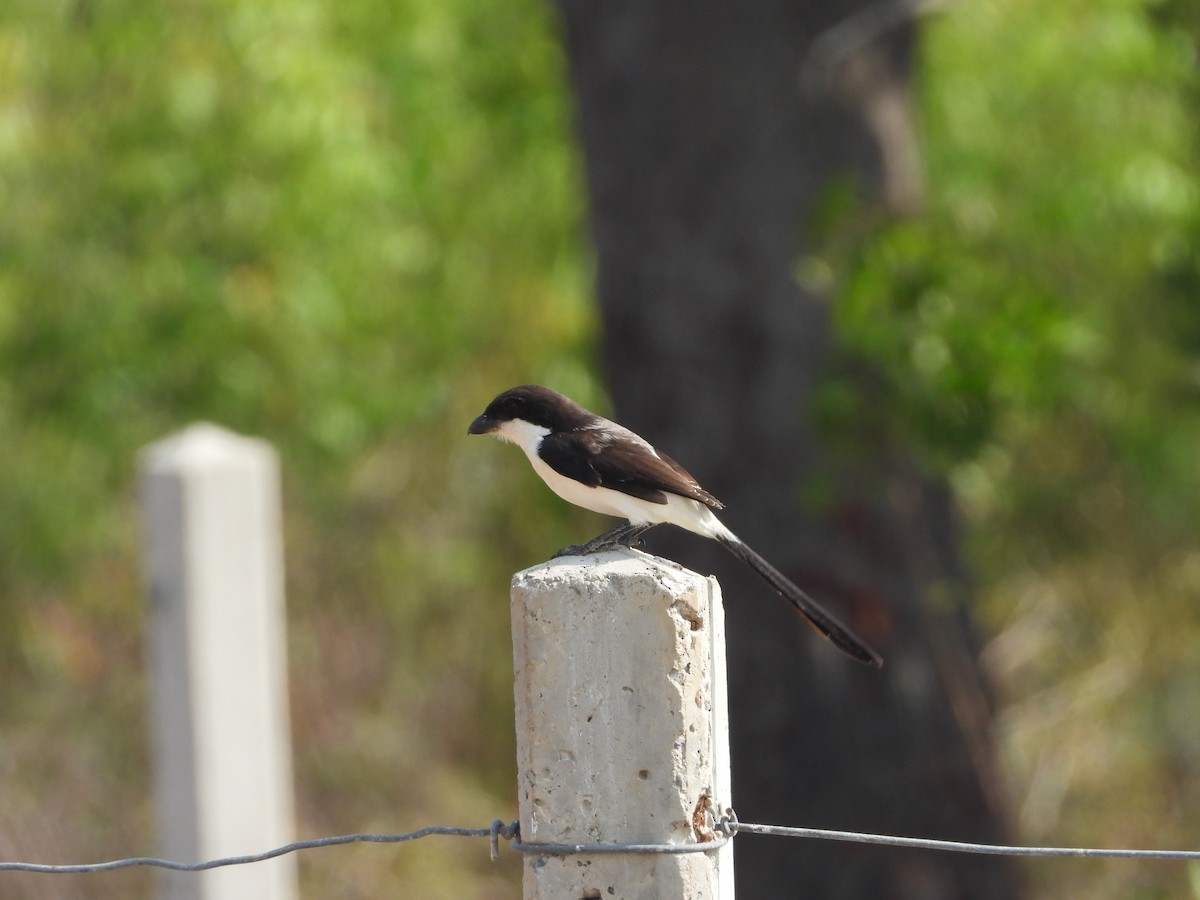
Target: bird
x,y
604,467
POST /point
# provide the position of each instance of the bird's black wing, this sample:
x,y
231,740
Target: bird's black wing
x,y
607,458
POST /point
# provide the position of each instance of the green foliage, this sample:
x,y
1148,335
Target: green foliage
x,y
304,220
1060,222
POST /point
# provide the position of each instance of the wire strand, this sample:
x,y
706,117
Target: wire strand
x,y
727,827
591,849
731,825
496,828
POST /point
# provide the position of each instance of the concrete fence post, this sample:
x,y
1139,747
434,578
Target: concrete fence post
x,y
216,647
622,733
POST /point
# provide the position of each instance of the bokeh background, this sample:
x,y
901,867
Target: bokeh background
x,y
345,226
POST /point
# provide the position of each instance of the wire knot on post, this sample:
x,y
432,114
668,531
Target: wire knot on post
x,y
499,830
727,824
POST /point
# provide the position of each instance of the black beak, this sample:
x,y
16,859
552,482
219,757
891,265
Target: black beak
x,y
481,425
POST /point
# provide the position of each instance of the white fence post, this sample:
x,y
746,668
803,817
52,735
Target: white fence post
x,y
621,725
222,754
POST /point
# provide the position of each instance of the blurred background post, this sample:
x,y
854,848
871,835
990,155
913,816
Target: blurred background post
x,y
217,661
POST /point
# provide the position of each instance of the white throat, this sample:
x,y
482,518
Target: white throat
x,y
524,434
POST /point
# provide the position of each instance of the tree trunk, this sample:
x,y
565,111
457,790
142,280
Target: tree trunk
x,y
705,162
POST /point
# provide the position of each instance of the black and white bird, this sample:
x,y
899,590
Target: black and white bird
x,y
602,466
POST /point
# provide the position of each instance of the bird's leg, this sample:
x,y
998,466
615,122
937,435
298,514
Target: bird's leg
x,y
622,536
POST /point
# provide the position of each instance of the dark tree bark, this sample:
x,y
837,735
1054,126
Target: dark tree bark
x,y
704,163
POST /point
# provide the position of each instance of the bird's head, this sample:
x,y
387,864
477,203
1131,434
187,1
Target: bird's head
x,y
529,406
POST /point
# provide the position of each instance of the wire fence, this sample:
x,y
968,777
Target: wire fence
x,y
725,829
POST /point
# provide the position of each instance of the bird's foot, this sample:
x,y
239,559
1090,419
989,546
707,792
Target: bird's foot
x,y
622,536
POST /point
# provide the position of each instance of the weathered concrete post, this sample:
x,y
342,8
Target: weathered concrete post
x,y
622,732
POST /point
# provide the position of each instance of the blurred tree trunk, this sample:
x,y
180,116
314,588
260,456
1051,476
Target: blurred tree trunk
x,y
705,162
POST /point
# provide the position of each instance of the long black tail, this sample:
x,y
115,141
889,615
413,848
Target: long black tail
x,y
845,639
